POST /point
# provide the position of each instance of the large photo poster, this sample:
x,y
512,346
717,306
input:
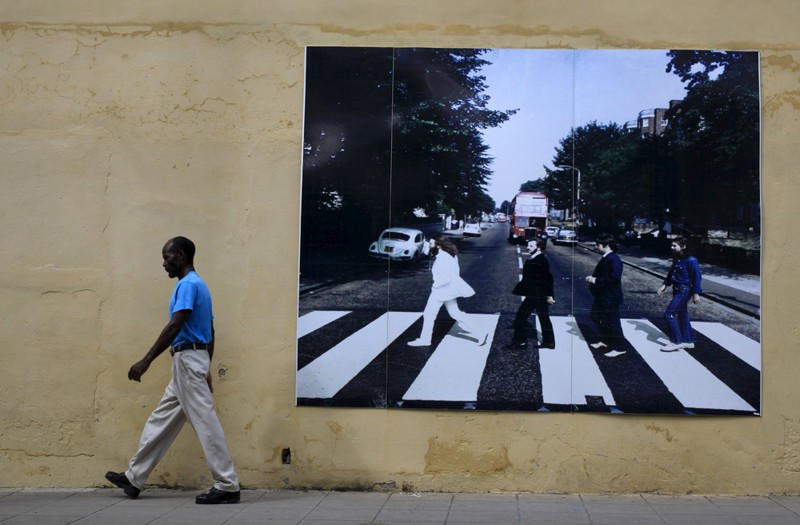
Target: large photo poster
x,y
531,230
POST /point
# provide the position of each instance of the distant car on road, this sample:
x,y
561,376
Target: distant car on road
x,y
398,244
565,237
472,230
552,231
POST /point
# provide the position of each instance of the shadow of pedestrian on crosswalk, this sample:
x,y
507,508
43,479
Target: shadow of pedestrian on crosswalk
x,y
652,333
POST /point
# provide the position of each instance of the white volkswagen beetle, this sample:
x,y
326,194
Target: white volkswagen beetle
x,y
472,229
398,244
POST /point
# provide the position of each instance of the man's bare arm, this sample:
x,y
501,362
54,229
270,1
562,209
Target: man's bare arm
x,y
166,337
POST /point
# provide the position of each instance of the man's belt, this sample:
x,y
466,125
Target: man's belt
x,y
188,346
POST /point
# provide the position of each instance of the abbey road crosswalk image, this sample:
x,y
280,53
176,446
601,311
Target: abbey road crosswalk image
x,y
381,353
531,230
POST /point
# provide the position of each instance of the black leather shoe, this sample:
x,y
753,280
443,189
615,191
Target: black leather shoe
x,y
551,346
121,480
214,497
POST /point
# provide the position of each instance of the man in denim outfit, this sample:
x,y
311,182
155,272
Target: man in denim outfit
x,y
684,276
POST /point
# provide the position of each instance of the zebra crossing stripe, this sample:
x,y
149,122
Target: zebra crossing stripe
x,y
739,345
326,375
569,374
316,320
689,381
454,370
572,358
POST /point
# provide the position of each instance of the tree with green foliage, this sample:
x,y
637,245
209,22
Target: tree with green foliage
x,y
486,204
388,131
440,110
715,136
346,146
588,148
630,179
535,186
704,169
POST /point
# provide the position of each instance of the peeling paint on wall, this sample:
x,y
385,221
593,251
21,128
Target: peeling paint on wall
x,y
464,457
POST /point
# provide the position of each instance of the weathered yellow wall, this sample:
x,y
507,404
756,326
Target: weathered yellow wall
x,y
125,123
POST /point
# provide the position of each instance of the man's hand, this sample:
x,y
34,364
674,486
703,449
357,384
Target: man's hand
x,y
696,298
550,300
661,290
208,380
590,279
138,369
166,337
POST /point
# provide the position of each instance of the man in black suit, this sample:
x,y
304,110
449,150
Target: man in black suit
x,y
605,284
537,287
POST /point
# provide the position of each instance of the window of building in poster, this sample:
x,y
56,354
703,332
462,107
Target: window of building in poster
x,y
531,230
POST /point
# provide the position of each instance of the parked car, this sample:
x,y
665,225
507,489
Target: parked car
x,y
628,238
552,231
398,244
472,230
565,237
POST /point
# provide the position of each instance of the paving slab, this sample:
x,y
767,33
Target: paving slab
x,y
278,507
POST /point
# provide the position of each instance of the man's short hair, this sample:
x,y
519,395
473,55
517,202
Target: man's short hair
x,y
182,244
539,243
607,239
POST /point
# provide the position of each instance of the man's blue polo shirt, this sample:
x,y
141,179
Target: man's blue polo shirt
x,y
191,293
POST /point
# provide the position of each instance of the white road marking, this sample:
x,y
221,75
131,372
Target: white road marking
x,y
316,320
689,381
454,371
569,373
739,345
571,359
327,374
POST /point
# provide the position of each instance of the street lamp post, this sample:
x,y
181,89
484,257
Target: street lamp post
x,y
576,207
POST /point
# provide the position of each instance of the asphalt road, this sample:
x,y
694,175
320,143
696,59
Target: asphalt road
x,y
492,267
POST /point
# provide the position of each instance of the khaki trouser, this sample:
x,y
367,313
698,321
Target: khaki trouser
x,y
187,397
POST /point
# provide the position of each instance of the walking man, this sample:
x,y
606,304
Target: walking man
x,y
447,287
605,284
190,332
684,276
537,287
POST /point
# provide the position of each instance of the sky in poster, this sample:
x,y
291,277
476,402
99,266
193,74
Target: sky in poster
x,y
555,90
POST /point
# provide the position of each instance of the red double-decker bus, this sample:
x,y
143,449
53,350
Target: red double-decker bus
x,y
528,216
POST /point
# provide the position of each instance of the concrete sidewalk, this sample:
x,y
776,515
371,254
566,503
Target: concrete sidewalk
x,y
285,507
